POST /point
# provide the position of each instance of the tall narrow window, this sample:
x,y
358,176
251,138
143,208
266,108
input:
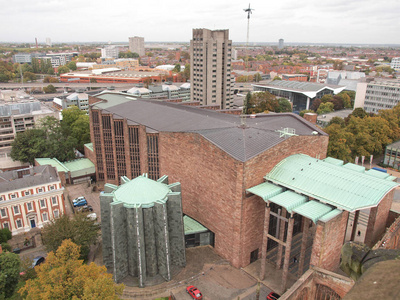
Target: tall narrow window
x,y
120,148
134,151
108,147
97,144
152,154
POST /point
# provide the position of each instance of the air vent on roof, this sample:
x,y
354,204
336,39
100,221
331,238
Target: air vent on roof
x,y
286,132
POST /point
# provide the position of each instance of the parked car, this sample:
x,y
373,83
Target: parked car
x,y
273,296
36,261
194,292
92,216
85,208
80,201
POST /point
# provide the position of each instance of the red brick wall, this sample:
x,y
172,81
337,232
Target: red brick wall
x,y
255,170
90,154
377,220
328,242
211,186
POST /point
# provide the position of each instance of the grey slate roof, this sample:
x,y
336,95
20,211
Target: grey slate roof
x,y
41,175
226,131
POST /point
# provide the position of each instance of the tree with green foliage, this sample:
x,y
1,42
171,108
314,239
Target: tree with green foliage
x,y
64,276
9,273
177,68
50,89
284,105
325,108
62,70
47,140
186,72
337,120
76,124
29,76
128,54
326,98
303,112
276,78
28,145
72,65
247,104
49,79
5,235
257,77
82,230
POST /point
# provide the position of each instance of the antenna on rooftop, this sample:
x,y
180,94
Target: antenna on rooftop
x,y
249,12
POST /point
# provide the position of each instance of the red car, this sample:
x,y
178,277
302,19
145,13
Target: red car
x,y
194,292
273,296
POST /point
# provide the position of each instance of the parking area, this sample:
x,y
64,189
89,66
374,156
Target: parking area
x,y
89,191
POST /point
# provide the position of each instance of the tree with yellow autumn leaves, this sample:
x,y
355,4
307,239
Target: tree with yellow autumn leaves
x,y
64,276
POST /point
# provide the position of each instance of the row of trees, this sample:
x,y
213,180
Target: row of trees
x,y
52,138
265,102
329,103
362,134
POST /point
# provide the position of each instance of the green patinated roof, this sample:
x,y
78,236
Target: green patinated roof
x,y
334,161
192,226
141,191
330,215
77,167
288,200
52,162
313,210
344,187
89,146
80,167
265,190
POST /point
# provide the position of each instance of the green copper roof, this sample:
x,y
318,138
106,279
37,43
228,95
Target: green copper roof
x,y
192,226
80,167
89,146
141,191
313,210
265,190
289,200
52,162
344,187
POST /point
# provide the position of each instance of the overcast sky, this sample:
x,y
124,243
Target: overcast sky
x,y
307,21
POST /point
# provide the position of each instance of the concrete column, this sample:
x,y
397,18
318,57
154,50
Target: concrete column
x,y
308,103
281,236
287,253
306,227
265,242
354,229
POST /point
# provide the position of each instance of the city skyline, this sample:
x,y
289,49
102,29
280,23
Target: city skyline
x,y
310,21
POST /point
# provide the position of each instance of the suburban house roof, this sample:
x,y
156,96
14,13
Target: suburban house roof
x,y
242,138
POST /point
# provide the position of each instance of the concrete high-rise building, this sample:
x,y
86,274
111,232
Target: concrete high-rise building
x,y
210,72
136,44
281,43
48,42
395,63
110,51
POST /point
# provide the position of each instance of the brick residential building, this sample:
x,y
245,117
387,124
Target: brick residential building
x,y
30,198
